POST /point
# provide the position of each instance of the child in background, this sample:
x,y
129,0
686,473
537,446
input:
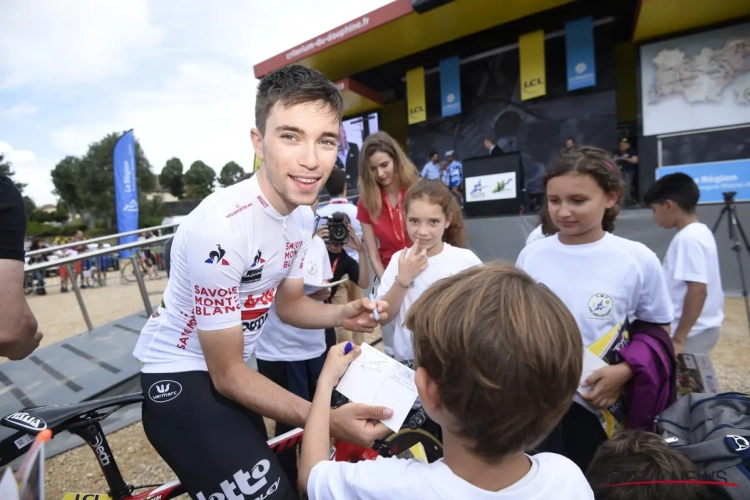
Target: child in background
x,y
498,358
639,456
435,225
691,265
605,280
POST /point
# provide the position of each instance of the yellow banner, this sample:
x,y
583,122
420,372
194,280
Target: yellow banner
x,y
415,95
533,72
256,164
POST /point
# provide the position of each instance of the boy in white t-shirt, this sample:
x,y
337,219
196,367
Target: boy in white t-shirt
x,y
498,360
691,265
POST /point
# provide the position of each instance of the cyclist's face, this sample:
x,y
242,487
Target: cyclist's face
x,y
297,153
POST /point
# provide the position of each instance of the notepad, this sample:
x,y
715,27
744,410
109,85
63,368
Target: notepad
x,y
376,379
591,363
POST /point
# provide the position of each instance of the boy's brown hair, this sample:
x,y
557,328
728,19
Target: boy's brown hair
x,y
505,353
639,456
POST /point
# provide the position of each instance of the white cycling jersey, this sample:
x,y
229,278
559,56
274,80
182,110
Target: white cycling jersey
x,y
227,260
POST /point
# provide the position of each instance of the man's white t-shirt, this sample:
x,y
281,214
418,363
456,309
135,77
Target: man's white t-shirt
x,y
228,257
693,256
450,261
602,283
535,235
551,477
342,205
282,342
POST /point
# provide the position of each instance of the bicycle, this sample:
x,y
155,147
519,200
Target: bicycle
x,y
83,420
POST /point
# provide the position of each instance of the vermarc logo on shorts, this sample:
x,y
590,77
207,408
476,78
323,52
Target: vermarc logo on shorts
x,y
242,482
164,390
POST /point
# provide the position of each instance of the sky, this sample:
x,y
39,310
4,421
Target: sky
x,y
179,73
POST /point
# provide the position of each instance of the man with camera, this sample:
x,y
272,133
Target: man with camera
x,y
339,235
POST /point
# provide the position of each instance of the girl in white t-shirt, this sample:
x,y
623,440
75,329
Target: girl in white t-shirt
x,y
604,280
435,225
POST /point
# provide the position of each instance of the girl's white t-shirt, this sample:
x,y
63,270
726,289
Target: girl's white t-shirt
x,y
535,235
282,342
603,283
450,261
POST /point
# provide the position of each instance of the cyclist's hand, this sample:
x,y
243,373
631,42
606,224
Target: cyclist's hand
x,y
409,267
336,363
357,315
359,423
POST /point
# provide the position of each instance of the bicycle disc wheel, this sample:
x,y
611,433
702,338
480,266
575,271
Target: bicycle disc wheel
x,y
406,438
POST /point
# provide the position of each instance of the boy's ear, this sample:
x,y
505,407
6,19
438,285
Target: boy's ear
x,y
427,389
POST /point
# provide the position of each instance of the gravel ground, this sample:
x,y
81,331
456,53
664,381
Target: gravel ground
x,y
77,471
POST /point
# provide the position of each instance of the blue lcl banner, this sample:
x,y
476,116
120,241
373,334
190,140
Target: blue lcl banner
x,y
126,189
714,179
579,53
450,86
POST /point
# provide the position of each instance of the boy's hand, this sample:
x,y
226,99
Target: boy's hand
x,y
607,382
337,361
409,267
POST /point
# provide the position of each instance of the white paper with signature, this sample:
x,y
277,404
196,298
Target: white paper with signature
x,y
376,379
591,363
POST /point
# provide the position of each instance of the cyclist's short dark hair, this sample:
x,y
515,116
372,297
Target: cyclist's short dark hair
x,y
293,85
678,187
336,182
639,456
504,352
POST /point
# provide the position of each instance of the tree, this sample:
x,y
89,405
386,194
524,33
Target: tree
x,y
5,169
200,180
151,212
30,206
87,183
231,173
171,177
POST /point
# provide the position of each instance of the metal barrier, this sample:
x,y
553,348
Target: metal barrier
x,y
69,261
99,239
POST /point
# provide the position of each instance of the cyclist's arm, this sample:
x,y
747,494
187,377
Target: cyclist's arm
x,y
18,328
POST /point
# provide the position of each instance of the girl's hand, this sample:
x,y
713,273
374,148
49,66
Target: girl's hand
x,y
337,362
607,382
354,242
409,267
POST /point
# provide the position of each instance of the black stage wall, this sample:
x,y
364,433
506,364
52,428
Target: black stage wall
x,y
504,237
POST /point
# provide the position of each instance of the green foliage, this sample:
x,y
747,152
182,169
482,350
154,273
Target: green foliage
x,y
151,212
44,230
200,180
171,177
87,183
30,206
5,169
231,173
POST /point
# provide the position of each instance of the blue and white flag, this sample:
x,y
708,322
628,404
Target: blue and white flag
x,y
126,189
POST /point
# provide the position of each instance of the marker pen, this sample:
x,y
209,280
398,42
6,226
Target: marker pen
x,y
348,348
374,311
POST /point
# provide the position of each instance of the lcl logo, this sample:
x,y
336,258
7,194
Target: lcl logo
x,y
532,83
418,109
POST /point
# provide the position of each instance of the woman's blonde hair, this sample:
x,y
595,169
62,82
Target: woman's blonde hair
x,y
405,172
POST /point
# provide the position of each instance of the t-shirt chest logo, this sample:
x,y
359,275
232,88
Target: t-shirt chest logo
x,y
255,273
600,305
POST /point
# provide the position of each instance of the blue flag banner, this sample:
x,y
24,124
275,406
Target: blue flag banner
x,y
450,86
714,179
126,189
579,52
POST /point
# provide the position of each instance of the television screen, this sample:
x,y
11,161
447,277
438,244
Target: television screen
x,y
358,128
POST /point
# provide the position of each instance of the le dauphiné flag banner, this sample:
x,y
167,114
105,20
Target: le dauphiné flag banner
x,y
579,53
415,95
450,86
533,70
126,189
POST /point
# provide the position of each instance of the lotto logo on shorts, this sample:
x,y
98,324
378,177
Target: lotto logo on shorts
x,y
248,484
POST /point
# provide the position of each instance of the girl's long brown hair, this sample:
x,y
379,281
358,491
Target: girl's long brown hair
x,y
601,167
437,193
405,173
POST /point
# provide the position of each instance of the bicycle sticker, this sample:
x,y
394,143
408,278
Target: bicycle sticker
x,y
86,496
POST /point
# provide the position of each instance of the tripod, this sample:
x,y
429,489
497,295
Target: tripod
x,y
731,211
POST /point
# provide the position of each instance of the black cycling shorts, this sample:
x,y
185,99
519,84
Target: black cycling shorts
x,y
213,445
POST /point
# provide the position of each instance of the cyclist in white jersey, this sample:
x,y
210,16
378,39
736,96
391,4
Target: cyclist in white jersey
x,y
240,250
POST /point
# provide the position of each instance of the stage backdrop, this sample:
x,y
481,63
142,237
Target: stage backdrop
x,y
537,127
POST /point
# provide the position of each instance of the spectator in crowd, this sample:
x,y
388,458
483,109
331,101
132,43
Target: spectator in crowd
x,y
37,243
431,170
490,143
19,334
626,157
385,173
570,144
348,157
454,176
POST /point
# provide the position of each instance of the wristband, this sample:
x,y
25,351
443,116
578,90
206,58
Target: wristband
x,y
405,286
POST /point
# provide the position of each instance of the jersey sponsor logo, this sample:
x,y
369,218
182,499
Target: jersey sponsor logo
x,y
255,272
248,484
214,301
238,208
164,390
291,252
217,257
600,305
189,328
263,202
254,319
